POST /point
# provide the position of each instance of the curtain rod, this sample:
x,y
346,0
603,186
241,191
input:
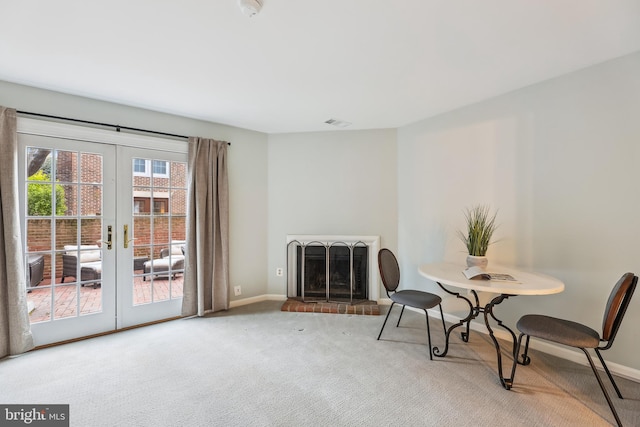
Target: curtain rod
x,y
117,127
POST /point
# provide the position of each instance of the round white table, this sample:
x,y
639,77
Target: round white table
x,y
450,275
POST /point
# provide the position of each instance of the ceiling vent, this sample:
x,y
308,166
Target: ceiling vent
x,y
338,123
250,7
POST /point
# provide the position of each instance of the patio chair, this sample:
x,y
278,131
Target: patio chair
x,y
170,263
390,274
90,263
577,335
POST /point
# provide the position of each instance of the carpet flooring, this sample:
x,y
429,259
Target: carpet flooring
x,y
256,365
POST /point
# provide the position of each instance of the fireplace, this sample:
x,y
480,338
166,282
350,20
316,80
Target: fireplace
x,y
332,268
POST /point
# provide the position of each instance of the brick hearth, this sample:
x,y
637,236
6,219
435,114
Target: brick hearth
x,y
366,307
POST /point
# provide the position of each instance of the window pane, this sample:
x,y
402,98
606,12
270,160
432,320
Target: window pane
x,y
178,202
65,301
41,299
141,230
160,180
178,175
161,230
90,299
142,290
66,233
91,168
39,199
66,199
66,166
37,270
160,206
159,167
91,198
38,235
141,200
139,166
91,231
38,163
161,288
178,228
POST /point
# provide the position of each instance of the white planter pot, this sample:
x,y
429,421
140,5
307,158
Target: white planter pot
x,y
480,261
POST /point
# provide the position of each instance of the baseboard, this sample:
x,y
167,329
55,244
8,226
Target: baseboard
x,y
543,346
259,298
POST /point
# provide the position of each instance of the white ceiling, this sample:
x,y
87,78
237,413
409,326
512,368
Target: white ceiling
x,y
375,63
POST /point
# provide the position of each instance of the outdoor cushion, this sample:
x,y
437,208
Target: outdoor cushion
x,y
85,255
177,248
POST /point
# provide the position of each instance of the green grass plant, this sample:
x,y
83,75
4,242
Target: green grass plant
x,y
480,227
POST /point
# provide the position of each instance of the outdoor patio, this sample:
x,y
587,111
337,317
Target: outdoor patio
x,y
153,289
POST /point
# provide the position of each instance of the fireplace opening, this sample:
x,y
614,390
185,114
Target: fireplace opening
x,y
343,277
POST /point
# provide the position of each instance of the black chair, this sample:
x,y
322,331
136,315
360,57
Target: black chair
x,y
576,335
390,274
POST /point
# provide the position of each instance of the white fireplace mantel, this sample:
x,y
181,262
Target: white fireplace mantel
x,y
372,242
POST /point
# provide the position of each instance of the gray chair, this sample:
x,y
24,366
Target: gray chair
x,y
170,263
577,335
89,257
390,274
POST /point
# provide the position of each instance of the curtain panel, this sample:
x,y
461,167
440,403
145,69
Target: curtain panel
x,y
206,278
15,330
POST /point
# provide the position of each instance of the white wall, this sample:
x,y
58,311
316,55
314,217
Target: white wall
x,y
559,160
247,168
330,183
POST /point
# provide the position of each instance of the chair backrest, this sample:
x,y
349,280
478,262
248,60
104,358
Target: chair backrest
x,y
617,306
389,270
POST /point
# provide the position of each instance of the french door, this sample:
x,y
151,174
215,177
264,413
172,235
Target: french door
x,y
104,231
152,214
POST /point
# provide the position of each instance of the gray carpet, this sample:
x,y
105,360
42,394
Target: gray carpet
x,y
258,366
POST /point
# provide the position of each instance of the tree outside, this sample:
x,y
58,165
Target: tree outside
x,y
39,196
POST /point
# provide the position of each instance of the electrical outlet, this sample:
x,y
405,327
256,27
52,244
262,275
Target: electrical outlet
x,y
237,290
279,272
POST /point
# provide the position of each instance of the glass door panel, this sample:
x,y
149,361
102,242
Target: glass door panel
x,y
153,207
70,274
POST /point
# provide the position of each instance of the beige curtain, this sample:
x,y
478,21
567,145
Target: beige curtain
x,y
15,331
206,278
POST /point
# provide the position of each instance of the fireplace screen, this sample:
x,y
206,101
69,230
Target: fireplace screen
x,y
341,277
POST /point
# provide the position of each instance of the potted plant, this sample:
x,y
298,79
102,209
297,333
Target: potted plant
x,y
480,227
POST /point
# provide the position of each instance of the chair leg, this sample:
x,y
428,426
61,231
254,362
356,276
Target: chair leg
x,y
385,320
401,313
444,327
606,369
428,335
604,390
525,358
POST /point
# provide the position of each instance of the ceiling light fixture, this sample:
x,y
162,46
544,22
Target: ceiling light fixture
x,y
338,123
250,7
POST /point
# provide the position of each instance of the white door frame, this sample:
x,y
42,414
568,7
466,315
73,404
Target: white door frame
x,y
28,126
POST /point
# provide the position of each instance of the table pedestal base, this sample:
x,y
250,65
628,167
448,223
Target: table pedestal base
x,y
474,311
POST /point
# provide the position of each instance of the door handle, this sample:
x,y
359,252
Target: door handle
x,y
126,236
109,241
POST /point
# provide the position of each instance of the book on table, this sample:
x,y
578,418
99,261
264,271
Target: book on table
x,y
480,273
